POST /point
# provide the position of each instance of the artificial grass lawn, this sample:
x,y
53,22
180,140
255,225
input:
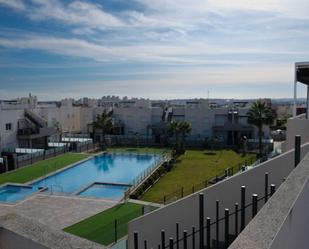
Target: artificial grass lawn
x,y
193,168
39,169
101,227
136,149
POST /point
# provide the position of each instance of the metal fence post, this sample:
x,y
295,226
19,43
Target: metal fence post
x,y
208,232
272,189
185,244
145,244
297,150
226,227
135,240
177,235
181,192
171,244
266,187
254,204
162,239
193,237
243,208
217,223
201,219
115,226
236,219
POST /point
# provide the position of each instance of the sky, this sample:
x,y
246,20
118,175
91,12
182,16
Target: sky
x,y
154,49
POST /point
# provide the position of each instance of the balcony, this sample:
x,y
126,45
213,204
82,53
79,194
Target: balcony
x,y
283,222
225,209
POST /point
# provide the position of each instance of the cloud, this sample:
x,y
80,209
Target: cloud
x,y
190,53
77,13
13,4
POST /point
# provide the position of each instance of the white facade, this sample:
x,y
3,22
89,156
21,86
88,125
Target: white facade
x,y
136,115
9,127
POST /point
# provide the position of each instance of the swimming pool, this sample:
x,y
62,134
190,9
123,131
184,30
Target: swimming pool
x,y
13,193
113,169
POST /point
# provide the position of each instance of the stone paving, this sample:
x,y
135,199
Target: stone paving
x,y
55,211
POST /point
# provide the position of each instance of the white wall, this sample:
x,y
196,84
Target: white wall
x,y
8,138
296,126
11,240
294,231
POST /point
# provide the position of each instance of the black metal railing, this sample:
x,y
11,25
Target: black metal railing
x,y
208,231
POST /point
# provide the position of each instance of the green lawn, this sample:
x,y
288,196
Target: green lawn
x,y
101,227
41,168
193,168
136,149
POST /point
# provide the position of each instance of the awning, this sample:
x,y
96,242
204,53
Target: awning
x,y
302,72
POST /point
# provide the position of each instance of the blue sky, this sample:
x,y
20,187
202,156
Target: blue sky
x,y
152,48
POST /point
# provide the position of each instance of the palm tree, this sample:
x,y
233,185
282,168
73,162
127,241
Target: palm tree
x,y
259,115
173,130
177,128
184,129
105,124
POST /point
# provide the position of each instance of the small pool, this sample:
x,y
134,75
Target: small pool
x,y
14,193
118,169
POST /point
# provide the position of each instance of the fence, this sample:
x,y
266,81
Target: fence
x,y
31,158
207,235
28,159
147,172
130,140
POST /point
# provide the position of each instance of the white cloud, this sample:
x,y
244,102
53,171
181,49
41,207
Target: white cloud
x,y
14,4
82,14
190,53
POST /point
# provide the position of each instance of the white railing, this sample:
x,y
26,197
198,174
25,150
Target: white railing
x,y
147,172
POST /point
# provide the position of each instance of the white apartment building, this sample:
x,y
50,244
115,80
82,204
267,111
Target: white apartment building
x,y
198,114
135,115
9,116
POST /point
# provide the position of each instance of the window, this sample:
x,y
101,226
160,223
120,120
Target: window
x,y
8,126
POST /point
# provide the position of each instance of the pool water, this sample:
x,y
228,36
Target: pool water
x,y
106,190
107,168
13,193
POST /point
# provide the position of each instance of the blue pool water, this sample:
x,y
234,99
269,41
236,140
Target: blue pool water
x,y
110,168
108,191
14,193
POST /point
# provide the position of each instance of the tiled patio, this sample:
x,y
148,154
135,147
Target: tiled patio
x,y
57,211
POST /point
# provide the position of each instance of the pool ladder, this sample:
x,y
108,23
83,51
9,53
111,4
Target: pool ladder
x,y
59,186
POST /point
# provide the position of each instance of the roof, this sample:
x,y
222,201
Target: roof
x,y
302,72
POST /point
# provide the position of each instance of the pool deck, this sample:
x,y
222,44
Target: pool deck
x,y
55,211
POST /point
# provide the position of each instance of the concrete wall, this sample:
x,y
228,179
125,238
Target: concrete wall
x,y
296,126
294,231
11,240
185,211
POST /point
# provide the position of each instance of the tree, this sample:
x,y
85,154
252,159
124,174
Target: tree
x,y
259,115
177,129
105,124
184,129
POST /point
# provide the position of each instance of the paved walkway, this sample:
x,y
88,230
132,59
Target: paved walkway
x,y
57,211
